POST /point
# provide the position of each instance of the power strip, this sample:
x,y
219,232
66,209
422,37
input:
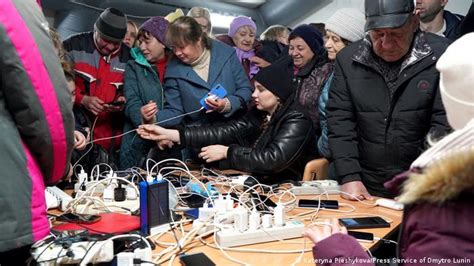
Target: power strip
x,y
47,254
62,198
317,187
232,238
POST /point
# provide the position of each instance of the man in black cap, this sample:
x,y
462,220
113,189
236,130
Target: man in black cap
x,y
384,100
100,58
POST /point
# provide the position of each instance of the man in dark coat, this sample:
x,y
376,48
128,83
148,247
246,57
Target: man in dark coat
x,y
433,18
384,99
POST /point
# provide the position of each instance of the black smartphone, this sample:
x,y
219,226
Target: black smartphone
x,y
193,200
117,103
262,202
324,204
362,236
363,222
198,259
78,218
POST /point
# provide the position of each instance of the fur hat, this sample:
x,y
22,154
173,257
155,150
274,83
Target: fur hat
x,y
456,67
157,27
111,25
311,36
239,22
348,23
278,78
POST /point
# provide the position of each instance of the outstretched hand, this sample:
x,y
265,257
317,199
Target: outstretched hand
x,y
157,133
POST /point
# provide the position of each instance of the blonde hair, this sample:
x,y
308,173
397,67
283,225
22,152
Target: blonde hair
x,y
54,35
201,12
273,32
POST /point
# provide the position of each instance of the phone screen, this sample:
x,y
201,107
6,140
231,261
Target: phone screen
x,y
361,235
325,204
364,222
79,218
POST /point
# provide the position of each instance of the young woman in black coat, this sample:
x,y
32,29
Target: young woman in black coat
x,y
273,141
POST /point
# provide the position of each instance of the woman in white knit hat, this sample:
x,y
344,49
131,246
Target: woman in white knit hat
x,y
342,28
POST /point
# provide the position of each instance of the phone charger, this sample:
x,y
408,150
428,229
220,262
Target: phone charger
x,y
391,204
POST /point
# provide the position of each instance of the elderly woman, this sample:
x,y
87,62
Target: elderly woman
x,y
143,90
241,35
198,65
273,141
342,28
312,68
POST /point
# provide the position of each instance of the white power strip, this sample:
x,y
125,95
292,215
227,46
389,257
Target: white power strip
x,y
47,254
232,238
317,187
62,198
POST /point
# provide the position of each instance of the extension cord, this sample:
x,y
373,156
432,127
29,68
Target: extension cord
x,y
62,198
232,238
56,254
317,187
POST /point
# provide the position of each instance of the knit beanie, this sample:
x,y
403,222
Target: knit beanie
x,y
312,37
157,27
456,67
239,22
348,23
278,78
111,25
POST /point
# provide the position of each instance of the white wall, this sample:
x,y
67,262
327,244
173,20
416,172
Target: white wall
x,y
455,6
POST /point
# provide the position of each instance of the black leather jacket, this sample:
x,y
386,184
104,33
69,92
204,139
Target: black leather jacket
x,y
279,153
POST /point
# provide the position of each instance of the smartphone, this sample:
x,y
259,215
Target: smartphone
x,y
362,236
324,204
78,218
262,202
117,103
198,259
218,92
193,200
363,222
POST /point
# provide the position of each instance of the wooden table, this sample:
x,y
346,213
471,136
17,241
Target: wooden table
x,y
261,258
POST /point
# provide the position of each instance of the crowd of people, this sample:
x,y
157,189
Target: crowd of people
x,y
365,92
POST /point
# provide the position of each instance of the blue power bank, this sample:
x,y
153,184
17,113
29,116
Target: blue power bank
x,y
218,91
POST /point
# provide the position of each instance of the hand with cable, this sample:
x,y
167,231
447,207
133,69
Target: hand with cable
x,y
148,112
324,230
161,135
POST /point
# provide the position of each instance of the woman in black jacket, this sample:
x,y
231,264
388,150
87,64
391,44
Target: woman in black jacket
x,y
273,141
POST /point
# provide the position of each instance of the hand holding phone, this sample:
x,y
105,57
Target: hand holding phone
x,y
218,92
